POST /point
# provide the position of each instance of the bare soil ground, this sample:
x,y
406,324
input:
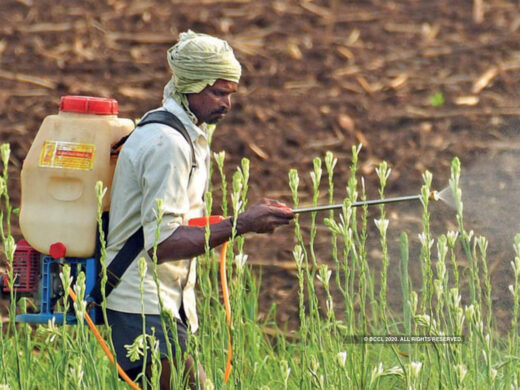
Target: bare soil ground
x,y
416,82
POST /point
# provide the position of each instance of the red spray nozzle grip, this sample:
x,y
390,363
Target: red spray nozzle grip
x,y
203,221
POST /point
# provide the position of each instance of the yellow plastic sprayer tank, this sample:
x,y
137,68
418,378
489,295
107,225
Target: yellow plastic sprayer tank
x,y
71,152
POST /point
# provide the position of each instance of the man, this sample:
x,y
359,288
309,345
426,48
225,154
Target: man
x,y
156,163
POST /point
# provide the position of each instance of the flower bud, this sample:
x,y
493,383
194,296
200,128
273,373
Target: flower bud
x,y
415,369
342,358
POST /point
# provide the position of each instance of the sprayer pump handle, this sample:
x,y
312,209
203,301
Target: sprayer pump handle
x,y
203,221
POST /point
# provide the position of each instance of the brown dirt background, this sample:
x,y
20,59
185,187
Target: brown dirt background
x,y
317,75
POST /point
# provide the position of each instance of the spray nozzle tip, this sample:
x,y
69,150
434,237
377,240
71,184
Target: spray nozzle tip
x,y
434,195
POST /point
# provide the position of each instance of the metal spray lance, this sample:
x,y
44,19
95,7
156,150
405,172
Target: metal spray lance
x,y
434,195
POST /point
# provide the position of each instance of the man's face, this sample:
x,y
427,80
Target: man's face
x,y
213,102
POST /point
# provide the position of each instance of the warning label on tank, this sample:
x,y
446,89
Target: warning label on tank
x,y
69,155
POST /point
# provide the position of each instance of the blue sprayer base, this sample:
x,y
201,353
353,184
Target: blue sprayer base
x,y
46,314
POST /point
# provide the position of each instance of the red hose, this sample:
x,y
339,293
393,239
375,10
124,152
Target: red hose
x,y
227,307
104,346
209,220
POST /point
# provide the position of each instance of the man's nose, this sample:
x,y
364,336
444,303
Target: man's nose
x,y
226,102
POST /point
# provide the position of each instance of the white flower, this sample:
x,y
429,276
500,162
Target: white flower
x,y
330,307
430,243
236,199
342,358
219,157
455,297
452,238
423,320
512,289
52,324
136,349
285,369
100,190
65,277
461,372
424,241
324,275
330,161
396,370
80,305
294,180
10,247
383,172
240,260
298,255
470,311
415,369
382,225
332,225
76,371
51,331
483,244
376,373
459,318
208,385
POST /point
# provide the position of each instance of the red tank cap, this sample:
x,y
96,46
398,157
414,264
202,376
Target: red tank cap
x,y
89,105
57,250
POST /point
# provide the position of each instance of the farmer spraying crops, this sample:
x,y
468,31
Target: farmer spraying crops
x,y
166,158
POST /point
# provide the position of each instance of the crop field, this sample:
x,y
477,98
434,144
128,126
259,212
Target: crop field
x,y
355,341
416,295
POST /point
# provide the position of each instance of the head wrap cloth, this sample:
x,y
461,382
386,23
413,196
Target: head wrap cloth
x,y
198,60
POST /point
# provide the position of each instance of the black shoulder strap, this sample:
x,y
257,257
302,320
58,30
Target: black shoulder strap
x,y
118,265
135,243
168,119
165,118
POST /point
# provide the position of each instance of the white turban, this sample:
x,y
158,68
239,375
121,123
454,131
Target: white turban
x,y
198,60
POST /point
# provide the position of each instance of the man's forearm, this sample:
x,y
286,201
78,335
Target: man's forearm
x,y
190,241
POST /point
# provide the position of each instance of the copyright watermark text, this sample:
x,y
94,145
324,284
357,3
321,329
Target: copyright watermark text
x,y
404,339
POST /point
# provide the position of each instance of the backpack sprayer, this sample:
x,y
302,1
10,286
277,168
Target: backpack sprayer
x,y
71,152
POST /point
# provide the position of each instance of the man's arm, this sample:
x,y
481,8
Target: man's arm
x,y
189,241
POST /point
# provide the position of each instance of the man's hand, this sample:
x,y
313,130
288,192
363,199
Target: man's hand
x,y
264,217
